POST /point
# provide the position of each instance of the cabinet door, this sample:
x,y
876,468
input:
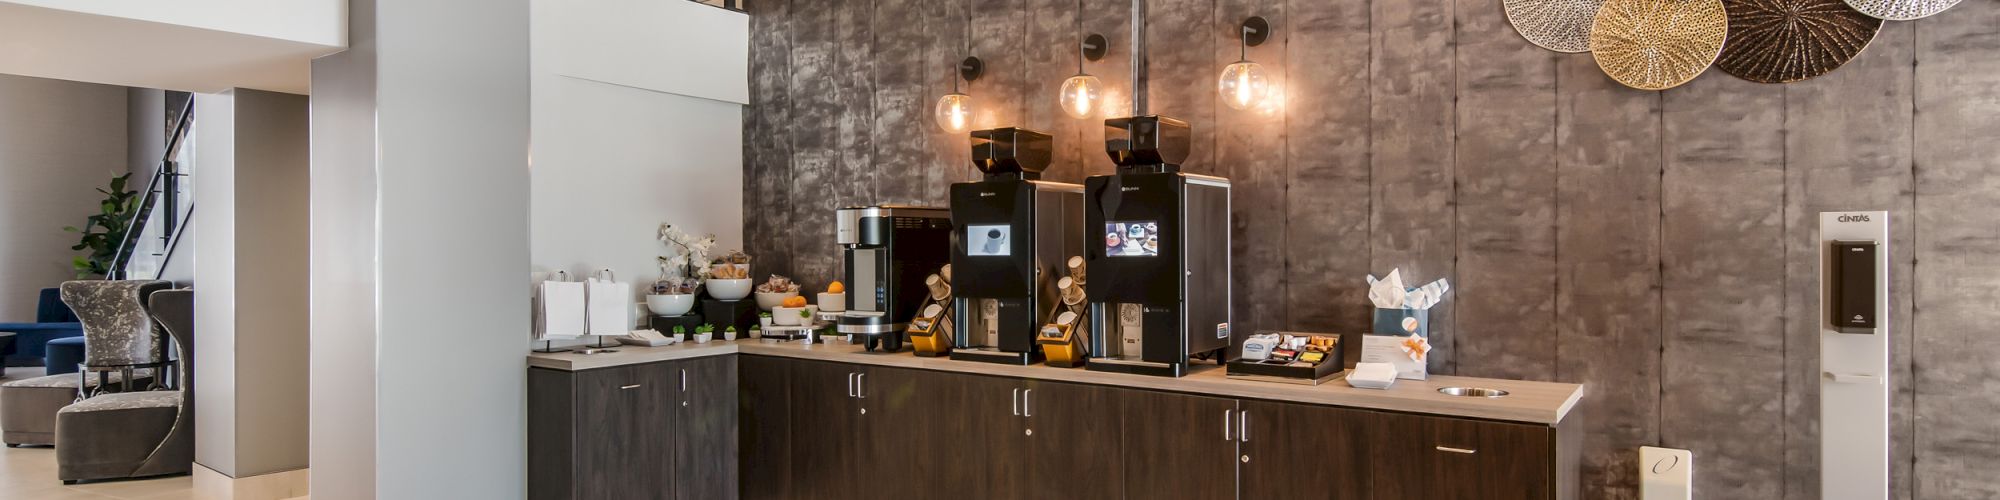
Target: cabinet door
x,y
765,432
1302,451
902,453
625,434
826,432
982,451
705,458
1448,458
1073,436
1179,446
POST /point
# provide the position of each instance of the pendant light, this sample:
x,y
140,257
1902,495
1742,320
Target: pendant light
x,y
1081,94
954,110
1243,84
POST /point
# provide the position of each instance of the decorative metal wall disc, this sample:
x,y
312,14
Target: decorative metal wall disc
x,y
1782,41
1657,44
1901,10
1558,25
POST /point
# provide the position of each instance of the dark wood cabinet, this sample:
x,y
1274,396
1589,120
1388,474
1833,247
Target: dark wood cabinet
x,y
764,434
1178,446
1301,451
1449,458
826,431
603,434
1075,449
705,456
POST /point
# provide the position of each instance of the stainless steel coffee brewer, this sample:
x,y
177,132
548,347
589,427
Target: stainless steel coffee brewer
x,y
1013,232
1159,276
889,250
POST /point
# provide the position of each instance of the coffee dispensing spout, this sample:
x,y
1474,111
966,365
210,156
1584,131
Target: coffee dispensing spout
x,y
1144,144
1012,153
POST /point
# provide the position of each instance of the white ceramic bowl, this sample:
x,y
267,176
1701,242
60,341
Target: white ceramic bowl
x,y
735,289
770,300
833,302
789,316
670,305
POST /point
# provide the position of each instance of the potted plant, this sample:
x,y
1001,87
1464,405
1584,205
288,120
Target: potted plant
x,y
764,319
704,333
687,256
729,334
680,332
102,233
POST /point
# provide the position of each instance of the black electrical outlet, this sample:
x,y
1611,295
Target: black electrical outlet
x,y
1854,286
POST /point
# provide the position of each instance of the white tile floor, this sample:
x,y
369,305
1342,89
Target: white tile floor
x,y
29,473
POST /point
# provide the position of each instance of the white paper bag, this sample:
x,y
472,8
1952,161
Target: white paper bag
x,y
610,305
559,309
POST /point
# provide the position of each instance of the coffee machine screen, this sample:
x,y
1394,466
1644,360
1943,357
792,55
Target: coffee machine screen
x,y
988,240
1132,239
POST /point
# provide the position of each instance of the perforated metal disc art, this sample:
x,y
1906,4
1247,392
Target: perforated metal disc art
x,y
1901,10
1657,44
1783,41
1558,25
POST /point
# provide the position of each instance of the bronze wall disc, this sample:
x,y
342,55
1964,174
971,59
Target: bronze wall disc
x,y
1782,41
1657,44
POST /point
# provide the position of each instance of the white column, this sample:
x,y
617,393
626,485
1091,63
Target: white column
x,y
420,253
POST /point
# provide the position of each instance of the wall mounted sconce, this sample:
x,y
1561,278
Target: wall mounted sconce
x,y
954,110
1080,93
1243,85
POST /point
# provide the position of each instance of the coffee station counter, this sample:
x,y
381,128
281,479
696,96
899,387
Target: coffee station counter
x,y
1544,403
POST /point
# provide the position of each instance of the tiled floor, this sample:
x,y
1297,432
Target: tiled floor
x,y
29,473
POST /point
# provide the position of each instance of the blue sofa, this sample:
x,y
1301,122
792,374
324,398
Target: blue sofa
x,y
53,320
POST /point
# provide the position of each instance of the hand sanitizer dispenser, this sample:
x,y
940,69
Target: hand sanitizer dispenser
x,y
1854,353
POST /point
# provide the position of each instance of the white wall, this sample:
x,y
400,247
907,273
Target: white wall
x,y
628,131
59,141
420,246
193,45
676,47
252,194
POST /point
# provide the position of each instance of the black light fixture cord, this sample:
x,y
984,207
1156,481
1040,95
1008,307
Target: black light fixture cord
x,y
1080,38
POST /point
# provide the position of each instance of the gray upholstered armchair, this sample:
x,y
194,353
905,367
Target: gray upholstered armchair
x,y
116,328
135,434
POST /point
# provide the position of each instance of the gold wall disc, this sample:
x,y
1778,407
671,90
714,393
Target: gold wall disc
x,y
1901,10
1782,41
1558,25
1657,44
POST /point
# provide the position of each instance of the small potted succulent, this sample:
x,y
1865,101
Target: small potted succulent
x,y
680,332
764,319
729,333
704,333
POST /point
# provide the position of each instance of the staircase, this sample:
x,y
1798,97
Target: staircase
x,y
148,249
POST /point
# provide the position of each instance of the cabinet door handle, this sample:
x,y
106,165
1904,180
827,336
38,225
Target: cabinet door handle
x,y
1225,424
861,385
628,387
850,384
684,380
1243,427
1015,399
1027,403
1457,450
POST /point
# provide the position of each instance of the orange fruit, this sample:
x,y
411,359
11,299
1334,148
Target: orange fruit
x,y
795,301
835,287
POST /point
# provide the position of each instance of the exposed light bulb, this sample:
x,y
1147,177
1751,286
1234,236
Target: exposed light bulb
x,y
1080,95
1243,85
954,112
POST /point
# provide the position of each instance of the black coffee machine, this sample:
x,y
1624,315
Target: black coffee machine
x,y
1014,232
1159,279
889,250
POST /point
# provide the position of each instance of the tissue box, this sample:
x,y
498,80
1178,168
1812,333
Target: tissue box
x,y
1403,322
1389,349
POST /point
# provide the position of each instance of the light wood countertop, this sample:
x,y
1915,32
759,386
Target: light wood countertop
x,y
1544,403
